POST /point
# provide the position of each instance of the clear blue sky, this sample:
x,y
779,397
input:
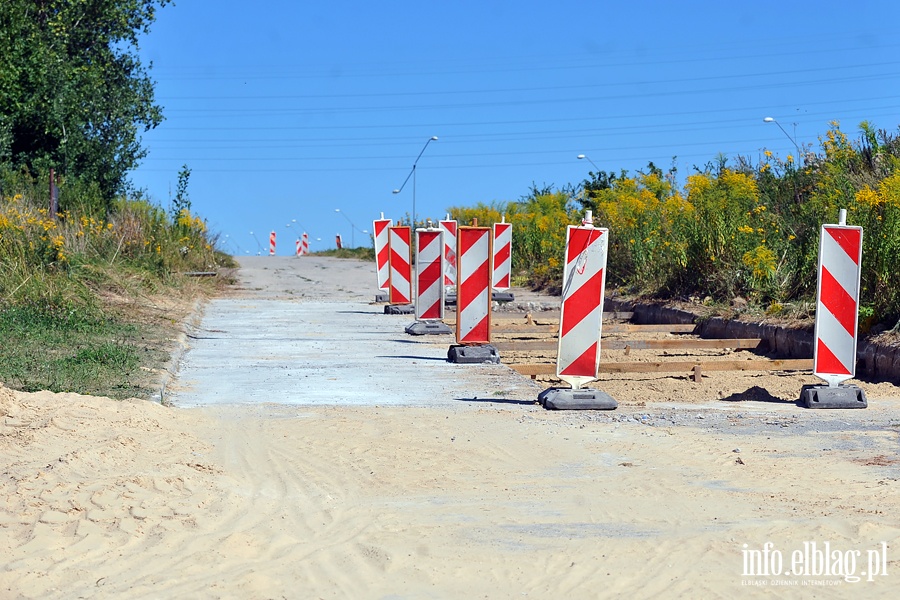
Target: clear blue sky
x,y
286,110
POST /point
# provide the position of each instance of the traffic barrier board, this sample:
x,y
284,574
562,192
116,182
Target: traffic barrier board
x,y
382,251
399,260
837,303
449,228
473,296
581,315
429,273
502,256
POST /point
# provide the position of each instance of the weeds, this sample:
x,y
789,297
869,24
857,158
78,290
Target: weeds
x,y
76,288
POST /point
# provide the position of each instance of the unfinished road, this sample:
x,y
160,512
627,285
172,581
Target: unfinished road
x,y
305,331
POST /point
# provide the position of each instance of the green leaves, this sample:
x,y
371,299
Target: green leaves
x,y
73,93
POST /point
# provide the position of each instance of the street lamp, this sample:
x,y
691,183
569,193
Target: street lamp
x,y
258,245
772,120
352,227
413,174
583,157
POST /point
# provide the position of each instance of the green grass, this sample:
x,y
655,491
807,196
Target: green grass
x,y
73,352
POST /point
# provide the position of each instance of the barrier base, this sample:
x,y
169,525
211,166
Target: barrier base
x,y
502,296
569,399
450,299
842,396
381,298
399,309
470,355
428,328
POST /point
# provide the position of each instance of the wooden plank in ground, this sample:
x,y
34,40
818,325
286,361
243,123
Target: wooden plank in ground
x,y
608,328
695,367
690,344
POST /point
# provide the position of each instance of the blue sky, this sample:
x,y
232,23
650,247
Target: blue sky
x,y
286,110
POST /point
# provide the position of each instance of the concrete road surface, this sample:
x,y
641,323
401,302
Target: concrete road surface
x,y
305,331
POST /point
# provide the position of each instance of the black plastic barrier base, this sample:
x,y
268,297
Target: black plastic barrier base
x,y
428,328
582,399
399,309
472,355
842,396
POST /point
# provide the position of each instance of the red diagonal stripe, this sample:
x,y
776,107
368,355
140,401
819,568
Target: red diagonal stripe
x,y
479,333
504,282
433,311
502,254
848,239
477,282
827,362
383,256
585,365
584,300
579,240
838,302
430,274
469,237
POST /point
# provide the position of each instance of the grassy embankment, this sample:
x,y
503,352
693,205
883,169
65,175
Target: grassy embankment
x,y
90,302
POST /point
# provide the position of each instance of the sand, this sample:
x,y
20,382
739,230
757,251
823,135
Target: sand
x,y
484,499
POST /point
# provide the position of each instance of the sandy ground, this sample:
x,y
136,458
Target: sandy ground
x,y
669,496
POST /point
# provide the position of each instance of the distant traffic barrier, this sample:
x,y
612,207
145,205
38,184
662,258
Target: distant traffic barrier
x,y
502,256
473,318
382,251
449,227
429,274
399,259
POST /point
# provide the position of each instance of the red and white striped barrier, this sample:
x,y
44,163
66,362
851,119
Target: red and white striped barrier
x,y
449,228
429,273
299,247
382,251
473,296
584,281
399,259
272,244
502,255
338,242
304,244
837,305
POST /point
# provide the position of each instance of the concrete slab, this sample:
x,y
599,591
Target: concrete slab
x,y
324,353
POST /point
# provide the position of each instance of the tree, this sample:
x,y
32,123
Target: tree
x,y
73,93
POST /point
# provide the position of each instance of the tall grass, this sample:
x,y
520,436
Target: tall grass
x,y
748,229
71,284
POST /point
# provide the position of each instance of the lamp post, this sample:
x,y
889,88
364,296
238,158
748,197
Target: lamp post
x,y
258,245
797,146
583,157
413,174
352,227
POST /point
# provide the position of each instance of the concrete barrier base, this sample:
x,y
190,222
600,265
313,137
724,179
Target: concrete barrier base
x,y
842,396
381,298
569,399
428,328
470,355
399,309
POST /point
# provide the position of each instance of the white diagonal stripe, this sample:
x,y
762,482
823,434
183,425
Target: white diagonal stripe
x,y
472,314
579,339
833,335
841,266
473,258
